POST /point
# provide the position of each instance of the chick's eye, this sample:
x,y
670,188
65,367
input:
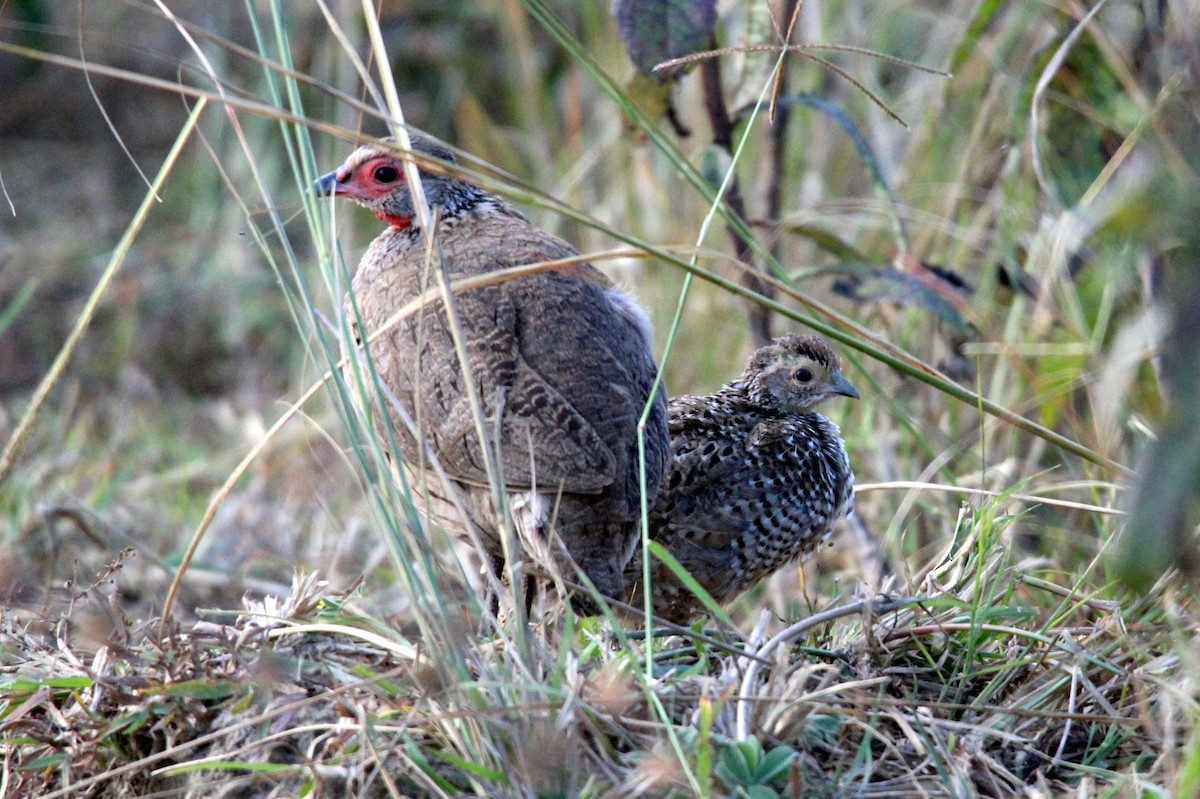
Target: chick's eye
x,y
802,375
386,174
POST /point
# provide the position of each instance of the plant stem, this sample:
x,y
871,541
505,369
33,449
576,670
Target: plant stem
x,y
758,316
779,132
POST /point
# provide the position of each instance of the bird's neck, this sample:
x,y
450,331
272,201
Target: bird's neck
x,y
448,201
397,221
455,199
744,393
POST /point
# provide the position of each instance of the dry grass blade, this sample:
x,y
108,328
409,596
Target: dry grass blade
x,y
1039,91
805,51
863,488
794,48
798,630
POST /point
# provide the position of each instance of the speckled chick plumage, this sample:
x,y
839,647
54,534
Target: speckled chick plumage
x,y
562,362
757,477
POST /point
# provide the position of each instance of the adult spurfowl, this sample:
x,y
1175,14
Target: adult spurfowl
x,y
757,477
561,362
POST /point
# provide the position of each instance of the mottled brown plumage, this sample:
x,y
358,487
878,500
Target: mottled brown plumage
x,y
757,478
562,362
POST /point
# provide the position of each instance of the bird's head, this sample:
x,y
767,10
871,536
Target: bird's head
x,y
795,374
373,176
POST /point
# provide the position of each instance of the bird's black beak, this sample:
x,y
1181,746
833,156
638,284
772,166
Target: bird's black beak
x,y
840,385
327,185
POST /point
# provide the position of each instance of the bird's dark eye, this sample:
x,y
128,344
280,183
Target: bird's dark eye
x,y
802,375
387,174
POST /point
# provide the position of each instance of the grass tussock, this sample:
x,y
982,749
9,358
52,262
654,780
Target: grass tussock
x,y
1000,272
989,680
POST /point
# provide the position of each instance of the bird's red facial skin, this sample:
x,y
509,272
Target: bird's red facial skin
x,y
378,177
371,181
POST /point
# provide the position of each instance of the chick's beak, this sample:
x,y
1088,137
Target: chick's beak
x,y
840,385
327,185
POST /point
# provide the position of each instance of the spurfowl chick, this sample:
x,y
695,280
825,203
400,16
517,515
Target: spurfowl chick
x,y
757,477
561,361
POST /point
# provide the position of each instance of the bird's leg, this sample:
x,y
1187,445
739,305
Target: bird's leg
x,y
498,566
530,587
497,562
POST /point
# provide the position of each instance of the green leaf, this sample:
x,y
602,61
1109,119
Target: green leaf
x,y
752,751
40,763
258,766
478,769
652,96
128,723
655,31
775,764
26,686
704,753
18,303
761,792
829,242
199,689
735,768
417,756
821,728
975,29
20,740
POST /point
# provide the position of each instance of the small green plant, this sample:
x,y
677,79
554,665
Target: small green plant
x,y
749,770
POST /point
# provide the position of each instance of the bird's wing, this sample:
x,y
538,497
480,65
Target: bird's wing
x,y
689,415
568,375
721,488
